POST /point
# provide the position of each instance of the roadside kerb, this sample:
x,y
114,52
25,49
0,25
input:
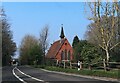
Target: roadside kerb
x,y
91,77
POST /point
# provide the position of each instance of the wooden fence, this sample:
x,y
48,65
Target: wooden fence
x,y
69,64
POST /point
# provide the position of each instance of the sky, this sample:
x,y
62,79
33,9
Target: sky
x,y
31,17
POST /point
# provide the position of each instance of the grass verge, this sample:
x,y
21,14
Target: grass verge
x,y
100,73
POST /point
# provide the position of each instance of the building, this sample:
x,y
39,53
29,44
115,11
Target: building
x,y
60,49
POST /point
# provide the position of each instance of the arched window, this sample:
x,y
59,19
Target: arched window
x,y
62,55
65,54
69,55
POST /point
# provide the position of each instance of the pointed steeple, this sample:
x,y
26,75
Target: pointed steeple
x,y
62,32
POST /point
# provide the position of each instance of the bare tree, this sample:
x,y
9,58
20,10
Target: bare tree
x,y
103,30
44,40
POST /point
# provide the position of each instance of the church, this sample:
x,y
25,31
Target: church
x,y
61,50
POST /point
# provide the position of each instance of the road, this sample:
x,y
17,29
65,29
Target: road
x,y
24,74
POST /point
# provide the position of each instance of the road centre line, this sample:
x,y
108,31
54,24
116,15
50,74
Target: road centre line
x,y
30,76
13,71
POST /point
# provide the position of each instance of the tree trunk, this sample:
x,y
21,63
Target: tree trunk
x,y
107,54
104,64
44,62
89,67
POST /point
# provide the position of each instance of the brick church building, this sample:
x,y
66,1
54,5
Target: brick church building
x,y
60,49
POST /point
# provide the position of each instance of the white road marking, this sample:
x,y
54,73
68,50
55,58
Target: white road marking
x,y
17,76
30,76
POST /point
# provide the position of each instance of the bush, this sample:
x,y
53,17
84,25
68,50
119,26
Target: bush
x,y
38,66
50,62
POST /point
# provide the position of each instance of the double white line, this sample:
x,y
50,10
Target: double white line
x,y
13,71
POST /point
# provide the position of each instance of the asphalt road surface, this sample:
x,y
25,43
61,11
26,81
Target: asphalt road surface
x,y
24,74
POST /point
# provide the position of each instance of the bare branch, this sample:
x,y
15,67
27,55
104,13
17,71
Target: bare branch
x,y
102,47
115,45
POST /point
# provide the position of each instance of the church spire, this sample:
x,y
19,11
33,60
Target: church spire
x,y
62,33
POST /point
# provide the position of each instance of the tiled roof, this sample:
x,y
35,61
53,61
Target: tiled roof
x,y
54,49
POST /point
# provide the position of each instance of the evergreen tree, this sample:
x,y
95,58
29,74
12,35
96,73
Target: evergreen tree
x,y
75,41
90,55
78,49
8,45
0,39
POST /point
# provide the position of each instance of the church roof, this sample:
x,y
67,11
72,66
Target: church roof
x,y
55,47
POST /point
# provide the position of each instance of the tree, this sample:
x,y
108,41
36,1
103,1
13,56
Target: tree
x,y
104,31
8,45
30,50
44,40
75,48
78,49
90,55
0,39
35,55
116,52
75,41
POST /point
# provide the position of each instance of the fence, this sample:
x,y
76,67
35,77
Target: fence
x,y
98,65
69,64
